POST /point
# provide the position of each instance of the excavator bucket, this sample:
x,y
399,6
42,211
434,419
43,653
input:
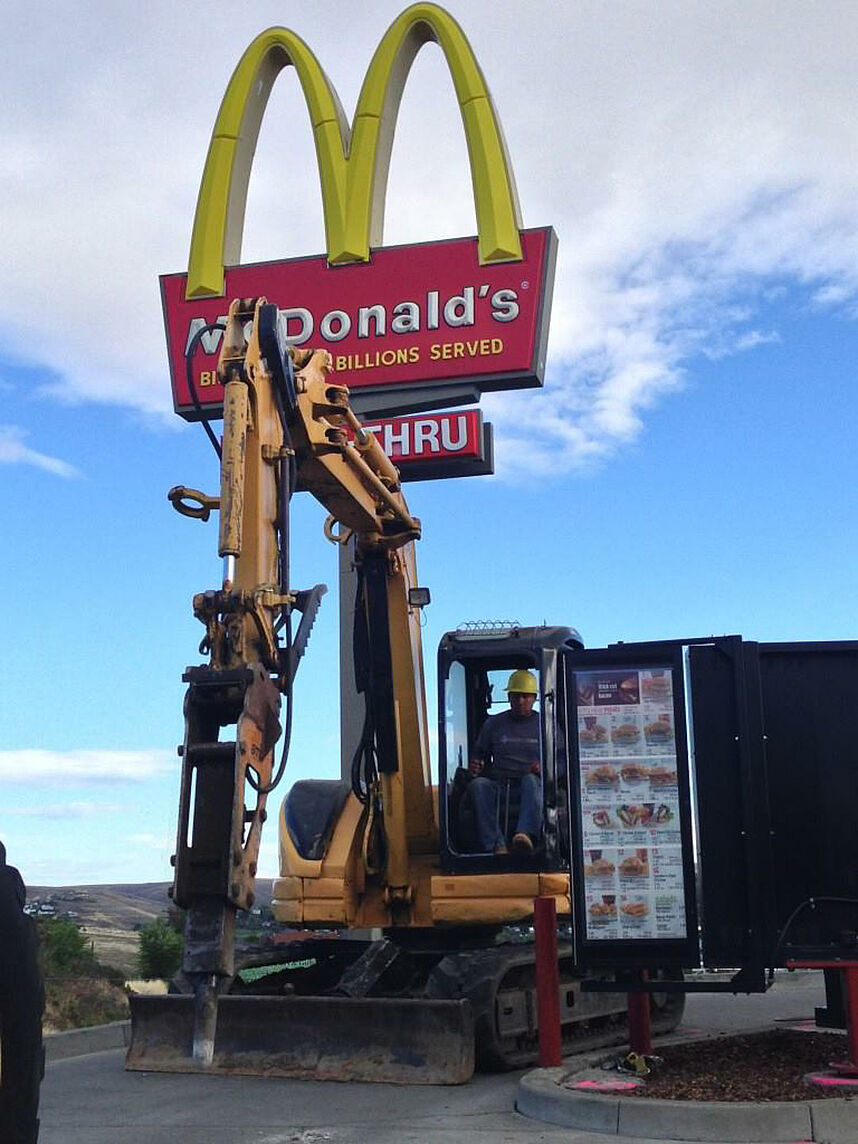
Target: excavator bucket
x,y
387,1040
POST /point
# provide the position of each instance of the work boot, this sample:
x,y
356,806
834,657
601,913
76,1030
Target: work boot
x,y
522,843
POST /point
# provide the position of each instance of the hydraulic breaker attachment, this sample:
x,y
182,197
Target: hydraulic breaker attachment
x,y
217,845
386,1040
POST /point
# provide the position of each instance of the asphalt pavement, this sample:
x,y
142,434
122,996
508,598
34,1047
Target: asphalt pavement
x,y
90,1099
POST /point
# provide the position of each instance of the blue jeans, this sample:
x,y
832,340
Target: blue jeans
x,y
486,795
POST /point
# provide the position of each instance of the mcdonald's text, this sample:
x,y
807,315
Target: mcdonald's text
x,y
385,321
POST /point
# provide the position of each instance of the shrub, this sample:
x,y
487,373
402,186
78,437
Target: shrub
x,y
112,974
160,950
65,949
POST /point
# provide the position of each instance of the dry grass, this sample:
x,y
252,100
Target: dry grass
x,y
153,988
116,947
78,1002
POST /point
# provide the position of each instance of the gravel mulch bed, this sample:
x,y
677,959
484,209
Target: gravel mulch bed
x,y
755,1066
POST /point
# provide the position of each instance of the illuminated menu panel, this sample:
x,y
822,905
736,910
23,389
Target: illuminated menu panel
x,y
634,883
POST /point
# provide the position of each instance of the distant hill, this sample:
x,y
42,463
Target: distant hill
x,y
121,905
111,915
124,907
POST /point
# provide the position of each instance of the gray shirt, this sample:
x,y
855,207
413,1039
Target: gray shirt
x,y
511,744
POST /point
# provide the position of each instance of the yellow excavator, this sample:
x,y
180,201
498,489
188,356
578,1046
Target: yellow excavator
x,y
434,968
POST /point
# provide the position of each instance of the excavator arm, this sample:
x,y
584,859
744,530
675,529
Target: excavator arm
x,y
287,427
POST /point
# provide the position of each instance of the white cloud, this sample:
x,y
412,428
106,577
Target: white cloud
x,y
63,810
687,154
148,838
84,766
13,451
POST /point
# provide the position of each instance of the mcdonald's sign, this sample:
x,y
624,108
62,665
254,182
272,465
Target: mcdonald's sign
x,y
407,326
436,445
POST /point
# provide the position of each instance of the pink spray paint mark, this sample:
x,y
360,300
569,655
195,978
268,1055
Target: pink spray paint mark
x,y
605,1085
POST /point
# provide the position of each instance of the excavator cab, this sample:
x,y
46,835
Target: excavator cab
x,y
474,664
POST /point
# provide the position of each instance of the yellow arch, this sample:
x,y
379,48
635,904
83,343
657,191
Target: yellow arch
x,y
353,164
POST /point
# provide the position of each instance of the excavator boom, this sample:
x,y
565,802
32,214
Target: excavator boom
x,y
286,430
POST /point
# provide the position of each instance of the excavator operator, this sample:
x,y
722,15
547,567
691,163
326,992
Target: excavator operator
x,y
506,756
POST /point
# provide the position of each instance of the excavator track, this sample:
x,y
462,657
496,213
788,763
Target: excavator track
x,y
500,984
350,1010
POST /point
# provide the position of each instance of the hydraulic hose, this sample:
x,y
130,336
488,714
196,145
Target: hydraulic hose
x,y
192,387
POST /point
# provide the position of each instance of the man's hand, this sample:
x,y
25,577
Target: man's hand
x,y
535,769
475,766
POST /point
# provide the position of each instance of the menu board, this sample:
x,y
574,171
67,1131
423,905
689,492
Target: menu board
x,y
633,874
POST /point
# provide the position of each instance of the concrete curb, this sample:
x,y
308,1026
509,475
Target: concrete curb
x,y
542,1095
79,1042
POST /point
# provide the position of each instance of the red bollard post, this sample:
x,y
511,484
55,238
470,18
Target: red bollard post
x,y
849,968
640,1029
850,983
547,982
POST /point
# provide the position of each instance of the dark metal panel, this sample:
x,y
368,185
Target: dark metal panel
x,y
809,693
734,863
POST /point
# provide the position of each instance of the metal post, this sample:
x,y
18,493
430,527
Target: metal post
x,y
640,1030
849,969
850,985
547,982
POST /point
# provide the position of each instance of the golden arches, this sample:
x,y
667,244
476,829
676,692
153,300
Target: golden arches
x,y
353,164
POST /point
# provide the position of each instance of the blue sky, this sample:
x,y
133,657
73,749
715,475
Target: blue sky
x,y
688,469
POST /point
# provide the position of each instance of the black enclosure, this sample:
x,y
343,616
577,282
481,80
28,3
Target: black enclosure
x,y
810,704
772,788
776,766
730,842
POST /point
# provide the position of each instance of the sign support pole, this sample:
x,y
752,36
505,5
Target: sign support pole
x,y
547,982
640,1030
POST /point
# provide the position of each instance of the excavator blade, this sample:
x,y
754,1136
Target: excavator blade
x,y
387,1040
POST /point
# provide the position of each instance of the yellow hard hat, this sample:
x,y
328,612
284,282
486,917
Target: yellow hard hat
x,y
523,682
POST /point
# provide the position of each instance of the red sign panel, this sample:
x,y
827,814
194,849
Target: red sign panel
x,y
436,445
427,314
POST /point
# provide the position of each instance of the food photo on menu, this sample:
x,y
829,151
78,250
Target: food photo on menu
x,y
592,732
602,909
598,865
656,684
602,777
659,732
602,818
662,776
625,732
607,688
633,773
635,865
634,909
